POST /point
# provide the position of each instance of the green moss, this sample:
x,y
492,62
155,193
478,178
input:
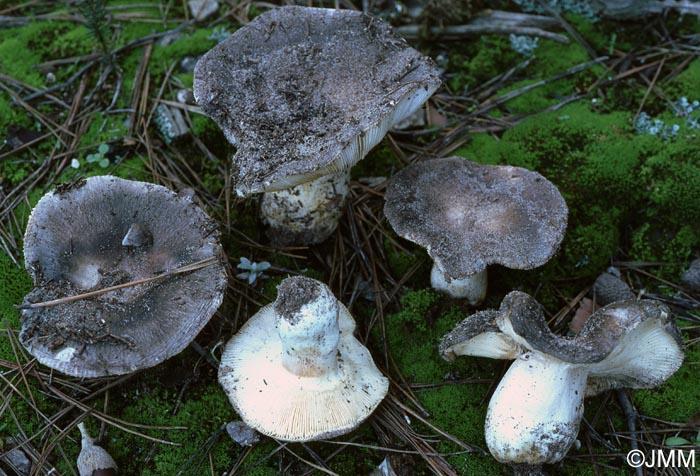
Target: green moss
x,y
595,160
203,412
269,289
185,80
482,148
401,262
478,61
673,173
380,162
133,168
193,43
258,462
673,249
413,335
15,283
588,249
475,463
687,83
355,461
414,308
73,42
8,113
204,127
14,171
22,49
459,409
103,129
17,61
678,399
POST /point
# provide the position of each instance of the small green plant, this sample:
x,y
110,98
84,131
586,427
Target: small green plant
x,y
253,270
679,441
99,157
98,21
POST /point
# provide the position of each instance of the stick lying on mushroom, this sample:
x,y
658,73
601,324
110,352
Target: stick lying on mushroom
x,y
305,93
296,372
534,414
469,215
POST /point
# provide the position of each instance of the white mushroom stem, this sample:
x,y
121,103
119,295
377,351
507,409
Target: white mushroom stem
x,y
307,213
310,336
534,414
472,288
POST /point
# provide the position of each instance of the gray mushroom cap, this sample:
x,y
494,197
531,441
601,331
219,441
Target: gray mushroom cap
x,y
307,92
469,215
105,231
609,288
631,343
691,276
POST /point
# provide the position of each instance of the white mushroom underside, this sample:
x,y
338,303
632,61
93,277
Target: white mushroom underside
x,y
534,414
284,406
493,345
472,288
643,358
359,147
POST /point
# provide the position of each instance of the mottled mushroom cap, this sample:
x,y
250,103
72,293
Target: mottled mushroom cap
x,y
290,407
469,215
307,92
105,231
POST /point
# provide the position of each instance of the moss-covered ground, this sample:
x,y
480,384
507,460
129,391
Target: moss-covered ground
x,y
570,111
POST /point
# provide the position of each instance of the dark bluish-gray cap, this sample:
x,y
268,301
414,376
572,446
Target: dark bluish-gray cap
x,y
469,215
307,92
105,231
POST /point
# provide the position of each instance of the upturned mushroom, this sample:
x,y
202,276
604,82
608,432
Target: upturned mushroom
x,y
534,415
469,216
106,232
305,93
295,371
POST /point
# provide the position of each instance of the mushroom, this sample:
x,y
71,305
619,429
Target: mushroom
x,y
691,276
609,287
534,415
93,460
305,93
102,232
295,371
469,215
